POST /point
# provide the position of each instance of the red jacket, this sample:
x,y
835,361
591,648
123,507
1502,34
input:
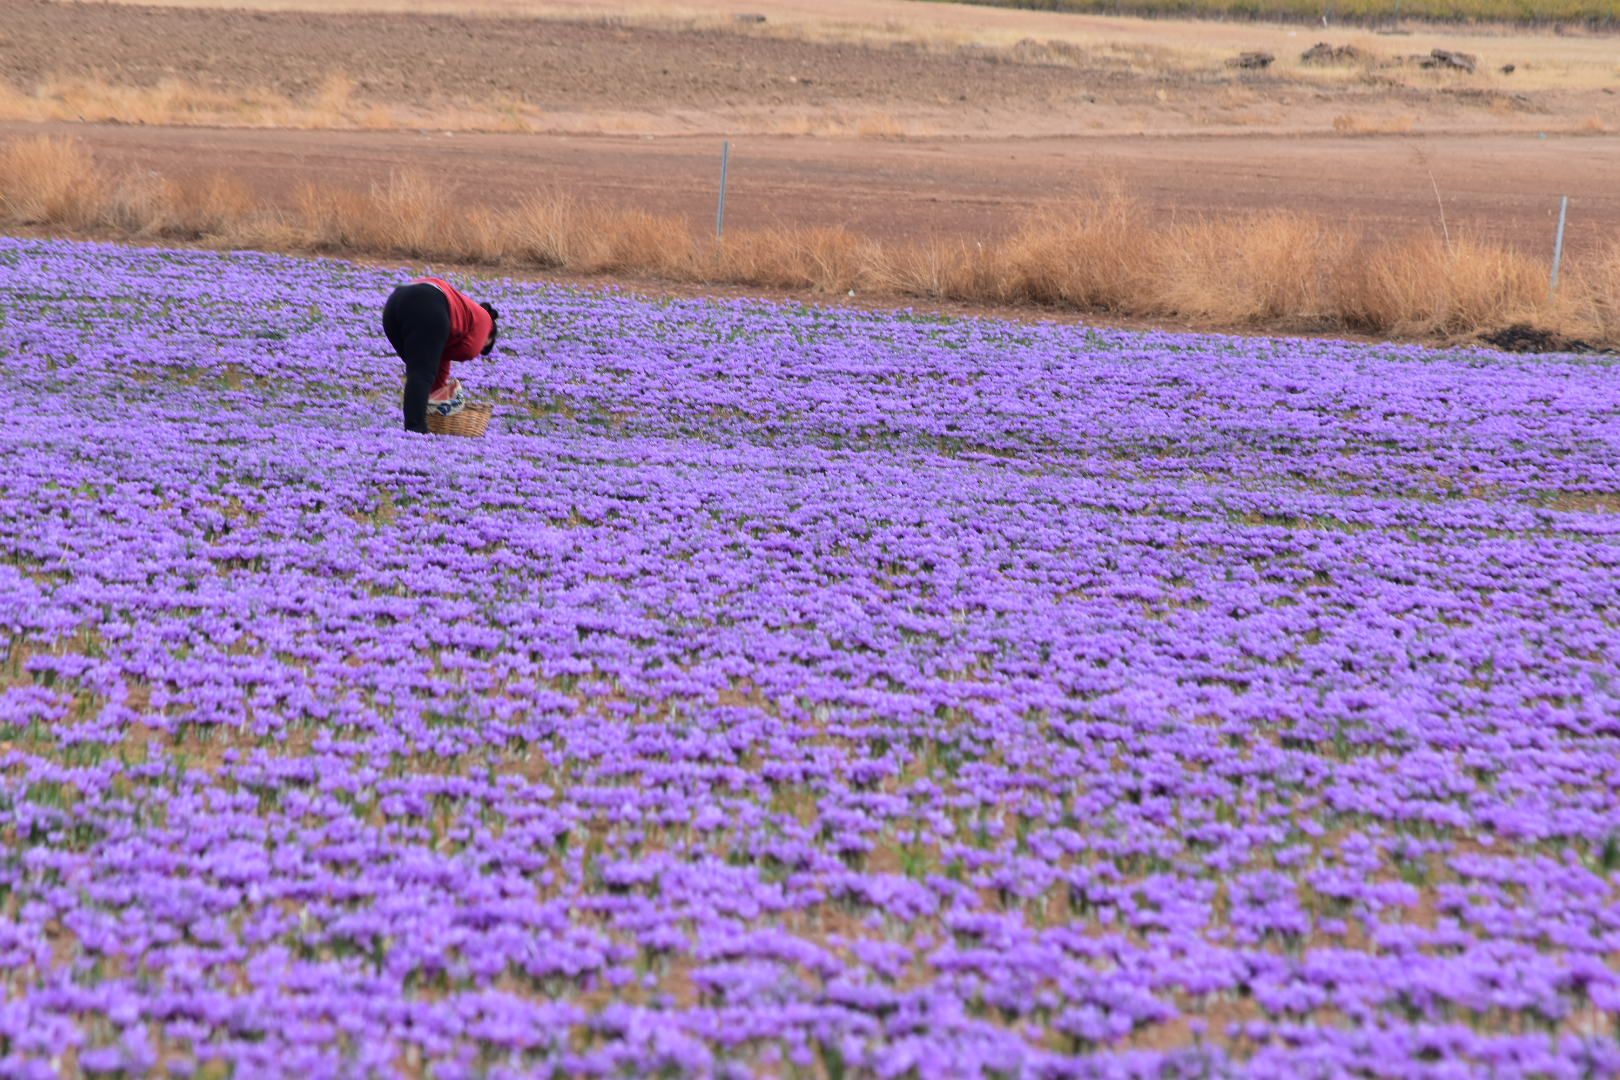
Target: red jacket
x,y
469,327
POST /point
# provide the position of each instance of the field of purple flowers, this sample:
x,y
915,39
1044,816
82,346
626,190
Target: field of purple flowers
x,y
793,692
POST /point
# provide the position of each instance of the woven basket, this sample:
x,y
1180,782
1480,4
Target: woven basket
x,y
471,421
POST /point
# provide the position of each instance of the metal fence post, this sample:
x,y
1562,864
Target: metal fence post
x,y
720,211
1558,245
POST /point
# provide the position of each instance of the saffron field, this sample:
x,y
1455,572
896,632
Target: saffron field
x,y
789,691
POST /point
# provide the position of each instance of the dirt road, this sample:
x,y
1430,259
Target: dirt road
x,y
1501,186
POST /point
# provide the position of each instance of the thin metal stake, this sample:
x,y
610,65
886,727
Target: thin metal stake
x,y
1441,204
720,212
1558,246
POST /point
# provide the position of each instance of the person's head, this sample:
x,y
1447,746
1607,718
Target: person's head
x,y
494,325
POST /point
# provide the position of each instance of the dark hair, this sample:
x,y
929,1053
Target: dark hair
x,y
493,328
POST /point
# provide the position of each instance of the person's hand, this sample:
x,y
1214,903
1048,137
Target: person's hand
x,y
445,393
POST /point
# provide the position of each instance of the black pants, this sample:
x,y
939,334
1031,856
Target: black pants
x,y
417,322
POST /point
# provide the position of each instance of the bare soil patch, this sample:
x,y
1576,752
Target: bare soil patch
x,y
428,62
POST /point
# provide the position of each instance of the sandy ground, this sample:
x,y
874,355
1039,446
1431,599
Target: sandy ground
x,y
985,113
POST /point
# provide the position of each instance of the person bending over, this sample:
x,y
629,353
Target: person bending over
x,y
430,323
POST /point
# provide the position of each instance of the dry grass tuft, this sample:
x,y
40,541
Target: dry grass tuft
x,y
836,124
544,230
935,269
821,260
1591,299
1422,286
1090,256
217,205
334,105
1273,270
879,125
409,215
140,204
634,242
1104,253
175,102
1360,124
333,219
46,181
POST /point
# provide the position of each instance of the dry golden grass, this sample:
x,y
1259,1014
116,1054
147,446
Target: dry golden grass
x,y
1104,254
935,269
834,123
820,260
635,242
1423,286
408,216
1273,270
1359,124
178,102
49,182
332,106
216,205
55,182
879,125
1088,256
544,231
557,231
1598,282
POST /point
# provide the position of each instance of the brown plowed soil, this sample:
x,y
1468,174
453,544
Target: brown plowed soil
x,y
426,59
680,77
